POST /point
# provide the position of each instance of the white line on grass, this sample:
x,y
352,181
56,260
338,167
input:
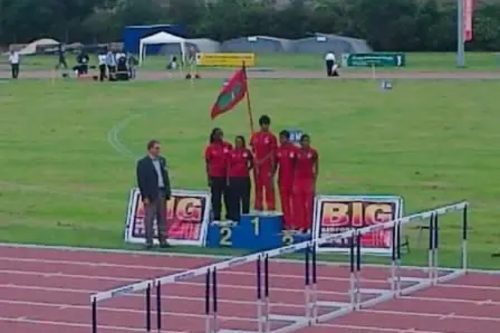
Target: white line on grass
x,y
114,139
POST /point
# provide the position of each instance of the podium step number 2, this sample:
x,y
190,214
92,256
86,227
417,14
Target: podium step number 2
x,y
226,231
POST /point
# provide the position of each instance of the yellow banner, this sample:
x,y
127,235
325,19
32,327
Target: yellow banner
x,y
225,59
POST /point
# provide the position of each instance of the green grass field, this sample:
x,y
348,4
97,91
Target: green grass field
x,y
415,61
68,149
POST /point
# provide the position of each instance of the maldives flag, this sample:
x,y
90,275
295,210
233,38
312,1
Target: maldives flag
x,y
231,94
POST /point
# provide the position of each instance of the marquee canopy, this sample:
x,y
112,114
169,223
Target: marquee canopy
x,y
161,38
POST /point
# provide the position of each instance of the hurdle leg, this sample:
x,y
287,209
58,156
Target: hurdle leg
x,y
260,314
464,238
148,308
398,259
314,284
393,260
436,250
431,248
215,306
267,306
158,306
352,275
358,270
307,287
208,318
94,315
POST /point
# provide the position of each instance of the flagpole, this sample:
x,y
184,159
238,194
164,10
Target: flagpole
x,y
249,104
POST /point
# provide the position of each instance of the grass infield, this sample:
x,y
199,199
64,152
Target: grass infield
x,y
68,150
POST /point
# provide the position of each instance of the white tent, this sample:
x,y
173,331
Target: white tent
x,y
161,38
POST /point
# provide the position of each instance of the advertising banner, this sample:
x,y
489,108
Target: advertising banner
x,y
188,213
225,59
374,59
338,213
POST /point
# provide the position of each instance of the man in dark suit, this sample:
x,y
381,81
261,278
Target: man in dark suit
x,y
154,184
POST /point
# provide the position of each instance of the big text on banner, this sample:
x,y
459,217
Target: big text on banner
x,y
335,214
188,214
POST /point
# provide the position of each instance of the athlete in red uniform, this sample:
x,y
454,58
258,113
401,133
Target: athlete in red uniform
x,y
306,173
285,160
240,164
264,145
216,157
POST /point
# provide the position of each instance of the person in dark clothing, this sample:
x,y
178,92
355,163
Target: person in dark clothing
x,y
216,158
61,57
154,184
240,164
83,62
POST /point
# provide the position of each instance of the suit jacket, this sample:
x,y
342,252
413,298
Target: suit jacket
x,y
147,178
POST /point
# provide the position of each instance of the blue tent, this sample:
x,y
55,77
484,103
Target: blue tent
x,y
134,33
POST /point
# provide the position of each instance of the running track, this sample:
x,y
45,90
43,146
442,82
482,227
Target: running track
x,y
47,290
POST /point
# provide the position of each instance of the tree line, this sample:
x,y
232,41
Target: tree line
x,y
388,25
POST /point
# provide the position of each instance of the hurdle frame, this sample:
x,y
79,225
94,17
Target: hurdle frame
x,y
301,322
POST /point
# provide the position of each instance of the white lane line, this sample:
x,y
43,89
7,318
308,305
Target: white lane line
x,y
69,324
432,315
375,329
73,249
87,292
237,273
57,306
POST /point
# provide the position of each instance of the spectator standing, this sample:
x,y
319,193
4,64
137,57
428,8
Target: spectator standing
x,y
331,67
111,63
154,184
14,61
102,65
61,57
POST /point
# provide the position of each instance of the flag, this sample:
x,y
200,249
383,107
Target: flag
x,y
468,11
231,94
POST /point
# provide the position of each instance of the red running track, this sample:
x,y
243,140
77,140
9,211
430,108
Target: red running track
x,y
45,290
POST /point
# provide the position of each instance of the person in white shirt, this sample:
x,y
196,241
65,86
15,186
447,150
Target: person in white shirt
x,y
14,63
102,59
331,66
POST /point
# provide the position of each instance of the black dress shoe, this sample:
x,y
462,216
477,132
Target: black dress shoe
x,y
164,245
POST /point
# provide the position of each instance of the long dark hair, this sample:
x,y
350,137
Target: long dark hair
x,y
243,141
211,138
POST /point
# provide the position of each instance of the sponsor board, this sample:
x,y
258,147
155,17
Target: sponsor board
x,y
187,212
338,213
377,59
225,59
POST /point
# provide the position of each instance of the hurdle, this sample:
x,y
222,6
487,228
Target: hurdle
x,y
311,293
